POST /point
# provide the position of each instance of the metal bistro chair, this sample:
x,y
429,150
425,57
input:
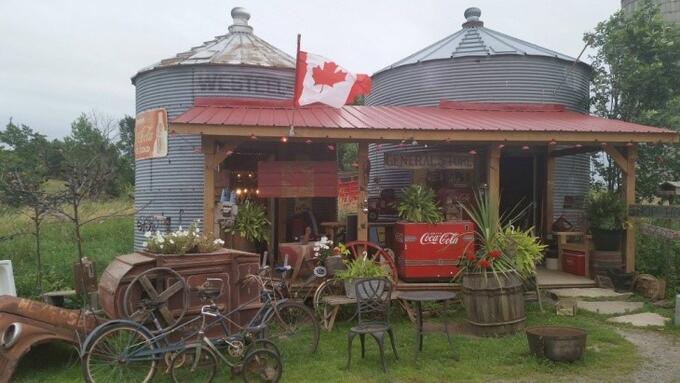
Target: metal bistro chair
x,y
373,304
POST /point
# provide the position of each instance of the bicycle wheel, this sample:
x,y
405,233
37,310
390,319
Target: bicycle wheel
x,y
262,366
121,353
194,364
293,326
332,289
265,344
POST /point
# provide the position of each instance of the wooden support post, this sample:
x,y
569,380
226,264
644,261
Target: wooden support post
x,y
208,145
493,176
629,198
212,158
549,204
362,216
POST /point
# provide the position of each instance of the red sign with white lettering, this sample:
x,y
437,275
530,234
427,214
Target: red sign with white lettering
x,y
429,252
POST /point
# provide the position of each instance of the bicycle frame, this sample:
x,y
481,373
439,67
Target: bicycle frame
x,y
161,343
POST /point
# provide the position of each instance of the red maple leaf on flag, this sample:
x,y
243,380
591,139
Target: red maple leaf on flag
x,y
329,75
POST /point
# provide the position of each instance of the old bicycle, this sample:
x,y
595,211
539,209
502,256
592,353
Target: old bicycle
x,y
127,351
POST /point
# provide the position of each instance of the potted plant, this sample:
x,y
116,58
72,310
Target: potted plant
x,y
331,257
359,268
492,276
251,227
606,213
417,205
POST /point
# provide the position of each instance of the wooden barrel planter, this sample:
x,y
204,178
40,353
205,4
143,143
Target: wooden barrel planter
x,y
494,306
603,260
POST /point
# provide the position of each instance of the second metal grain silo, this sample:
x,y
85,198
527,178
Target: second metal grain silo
x,y
237,64
480,64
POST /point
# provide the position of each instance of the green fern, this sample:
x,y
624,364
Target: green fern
x,y
417,204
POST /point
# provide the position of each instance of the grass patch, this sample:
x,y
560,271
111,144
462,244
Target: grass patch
x,y
608,358
102,240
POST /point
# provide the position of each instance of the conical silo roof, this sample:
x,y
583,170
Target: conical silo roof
x,y
476,40
238,47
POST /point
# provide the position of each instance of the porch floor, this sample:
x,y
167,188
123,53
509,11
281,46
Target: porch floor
x,y
559,279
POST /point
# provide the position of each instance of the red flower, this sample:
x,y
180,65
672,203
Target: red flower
x,y
471,257
495,254
484,264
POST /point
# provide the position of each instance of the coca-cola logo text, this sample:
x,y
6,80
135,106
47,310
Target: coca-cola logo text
x,y
447,238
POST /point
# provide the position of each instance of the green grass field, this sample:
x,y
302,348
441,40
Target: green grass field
x,y
608,358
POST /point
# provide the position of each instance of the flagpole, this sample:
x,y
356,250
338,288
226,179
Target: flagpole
x,y
296,93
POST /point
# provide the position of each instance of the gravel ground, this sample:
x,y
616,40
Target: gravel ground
x,y
661,354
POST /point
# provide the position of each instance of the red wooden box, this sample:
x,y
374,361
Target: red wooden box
x,y
574,262
429,252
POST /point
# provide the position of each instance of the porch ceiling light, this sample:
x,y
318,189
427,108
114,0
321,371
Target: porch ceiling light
x,y
525,147
284,139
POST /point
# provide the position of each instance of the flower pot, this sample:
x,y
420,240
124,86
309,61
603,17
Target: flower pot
x,y
334,264
557,343
607,240
494,304
237,242
350,289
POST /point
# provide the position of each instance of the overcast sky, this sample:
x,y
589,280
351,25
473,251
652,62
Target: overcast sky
x,y
61,58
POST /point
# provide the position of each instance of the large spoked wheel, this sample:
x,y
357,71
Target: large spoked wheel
x,y
328,313
262,366
160,291
376,253
121,353
293,326
194,364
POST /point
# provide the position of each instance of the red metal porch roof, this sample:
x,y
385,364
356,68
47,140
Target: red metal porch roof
x,y
448,116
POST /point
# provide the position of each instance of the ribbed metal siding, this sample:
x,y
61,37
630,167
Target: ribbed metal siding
x,y
164,186
509,78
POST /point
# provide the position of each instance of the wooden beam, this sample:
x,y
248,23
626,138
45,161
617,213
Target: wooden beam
x,y
549,208
620,160
208,145
574,150
397,135
493,176
362,216
629,197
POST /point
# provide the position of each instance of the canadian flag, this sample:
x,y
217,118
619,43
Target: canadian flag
x,y
319,79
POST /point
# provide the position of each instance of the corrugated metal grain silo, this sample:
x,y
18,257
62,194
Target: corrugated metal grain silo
x,y
479,64
237,64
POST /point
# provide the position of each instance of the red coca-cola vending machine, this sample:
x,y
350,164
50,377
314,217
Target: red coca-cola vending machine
x,y
429,252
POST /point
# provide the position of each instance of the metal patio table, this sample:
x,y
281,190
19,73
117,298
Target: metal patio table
x,y
428,296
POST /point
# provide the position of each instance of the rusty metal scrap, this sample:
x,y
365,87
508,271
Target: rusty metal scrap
x,y
37,323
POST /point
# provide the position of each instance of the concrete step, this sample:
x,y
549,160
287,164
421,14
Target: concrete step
x,y
589,294
641,319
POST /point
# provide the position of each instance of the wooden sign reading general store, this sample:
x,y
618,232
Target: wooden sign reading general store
x,y
428,160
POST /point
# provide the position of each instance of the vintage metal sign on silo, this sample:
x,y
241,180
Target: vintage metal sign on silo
x,y
480,64
169,185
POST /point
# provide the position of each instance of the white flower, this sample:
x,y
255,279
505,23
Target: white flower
x,y
324,239
317,248
160,239
145,244
218,242
180,228
161,246
147,234
171,242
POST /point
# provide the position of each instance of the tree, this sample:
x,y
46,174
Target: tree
x,y
126,144
636,78
23,172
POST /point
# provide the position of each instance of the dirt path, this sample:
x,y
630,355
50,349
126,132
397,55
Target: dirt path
x,y
661,354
